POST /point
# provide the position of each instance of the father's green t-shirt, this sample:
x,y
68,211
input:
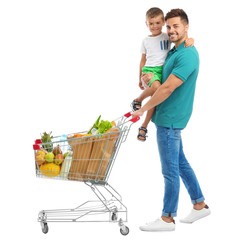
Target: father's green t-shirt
x,y
176,110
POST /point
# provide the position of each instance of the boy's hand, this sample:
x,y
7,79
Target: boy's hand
x,y
189,42
147,77
141,85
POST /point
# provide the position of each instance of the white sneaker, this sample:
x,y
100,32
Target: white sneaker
x,y
158,226
195,215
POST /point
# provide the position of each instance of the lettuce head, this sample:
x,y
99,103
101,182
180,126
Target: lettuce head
x,y
104,126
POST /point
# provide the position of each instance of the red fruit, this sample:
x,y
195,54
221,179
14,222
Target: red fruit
x,y
58,159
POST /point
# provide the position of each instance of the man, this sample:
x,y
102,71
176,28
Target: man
x,y
174,102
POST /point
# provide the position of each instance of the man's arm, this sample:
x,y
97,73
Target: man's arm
x,y
162,93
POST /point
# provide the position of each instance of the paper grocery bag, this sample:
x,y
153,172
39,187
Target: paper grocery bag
x,y
102,150
81,149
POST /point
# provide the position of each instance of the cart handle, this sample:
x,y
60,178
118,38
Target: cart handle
x,y
134,120
124,119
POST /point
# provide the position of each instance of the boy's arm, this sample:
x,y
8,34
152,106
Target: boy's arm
x,y
142,64
189,42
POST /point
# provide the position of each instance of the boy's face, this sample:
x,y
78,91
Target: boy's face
x,y
155,24
176,29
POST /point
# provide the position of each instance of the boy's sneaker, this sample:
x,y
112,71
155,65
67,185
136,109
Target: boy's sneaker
x,y
158,226
195,215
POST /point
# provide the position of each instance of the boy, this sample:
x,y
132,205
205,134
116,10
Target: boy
x,y
154,52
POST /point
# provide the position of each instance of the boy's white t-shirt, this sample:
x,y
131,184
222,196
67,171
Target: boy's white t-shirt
x,y
156,49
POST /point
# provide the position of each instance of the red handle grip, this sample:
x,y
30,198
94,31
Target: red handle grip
x,y
135,119
128,114
36,147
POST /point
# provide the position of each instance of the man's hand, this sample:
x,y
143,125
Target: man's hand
x,y
138,113
147,77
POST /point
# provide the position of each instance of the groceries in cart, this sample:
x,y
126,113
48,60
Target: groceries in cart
x,y
78,156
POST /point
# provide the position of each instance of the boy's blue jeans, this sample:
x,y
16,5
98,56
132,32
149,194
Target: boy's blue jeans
x,y
175,165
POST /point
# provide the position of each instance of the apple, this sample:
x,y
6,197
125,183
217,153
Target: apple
x,y
49,157
58,159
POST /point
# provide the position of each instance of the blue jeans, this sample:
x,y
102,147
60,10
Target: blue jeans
x,y
175,165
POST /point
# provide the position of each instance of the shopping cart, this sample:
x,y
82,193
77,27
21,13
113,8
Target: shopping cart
x,y
89,159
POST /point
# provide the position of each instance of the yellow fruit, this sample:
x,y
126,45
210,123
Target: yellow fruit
x,y
49,157
40,159
50,169
40,152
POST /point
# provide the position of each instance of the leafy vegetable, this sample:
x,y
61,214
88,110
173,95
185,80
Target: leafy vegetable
x,y
104,126
96,125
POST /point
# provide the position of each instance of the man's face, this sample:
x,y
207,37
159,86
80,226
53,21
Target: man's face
x,y
176,29
155,25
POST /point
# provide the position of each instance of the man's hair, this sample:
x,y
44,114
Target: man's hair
x,y
154,12
177,13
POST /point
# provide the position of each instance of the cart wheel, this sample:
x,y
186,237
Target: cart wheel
x,y
45,228
114,217
124,230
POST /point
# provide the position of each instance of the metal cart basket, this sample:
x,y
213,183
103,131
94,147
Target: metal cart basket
x,y
89,159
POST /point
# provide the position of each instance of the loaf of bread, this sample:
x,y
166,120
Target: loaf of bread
x,y
101,153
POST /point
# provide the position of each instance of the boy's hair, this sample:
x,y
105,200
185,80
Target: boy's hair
x,y
154,12
177,13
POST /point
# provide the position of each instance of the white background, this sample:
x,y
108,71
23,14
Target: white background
x,y
65,62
